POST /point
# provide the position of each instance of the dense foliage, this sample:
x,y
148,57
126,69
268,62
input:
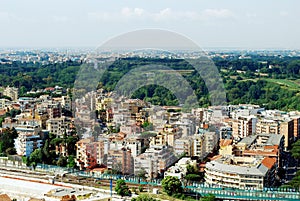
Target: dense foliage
x,y
172,185
295,182
270,81
121,188
7,139
27,76
208,198
144,197
47,154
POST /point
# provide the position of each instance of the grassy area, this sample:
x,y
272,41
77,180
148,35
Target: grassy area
x,y
162,196
285,83
293,85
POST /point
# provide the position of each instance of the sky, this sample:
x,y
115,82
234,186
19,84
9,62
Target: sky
x,y
253,24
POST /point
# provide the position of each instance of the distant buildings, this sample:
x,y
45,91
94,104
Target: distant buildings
x,y
11,92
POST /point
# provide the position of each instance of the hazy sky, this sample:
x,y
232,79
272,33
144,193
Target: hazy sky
x,y
210,23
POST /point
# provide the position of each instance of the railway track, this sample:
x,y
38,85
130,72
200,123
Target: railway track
x,y
68,178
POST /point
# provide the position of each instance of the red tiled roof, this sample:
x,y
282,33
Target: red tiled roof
x,y
269,162
216,157
2,112
225,142
4,197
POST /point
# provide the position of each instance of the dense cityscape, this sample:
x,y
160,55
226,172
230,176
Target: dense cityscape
x,y
206,151
136,100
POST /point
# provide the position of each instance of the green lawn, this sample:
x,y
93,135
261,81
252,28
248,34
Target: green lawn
x,y
291,84
284,83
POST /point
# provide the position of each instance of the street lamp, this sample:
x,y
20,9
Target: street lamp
x,y
110,185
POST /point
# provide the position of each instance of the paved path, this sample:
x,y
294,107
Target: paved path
x,y
23,190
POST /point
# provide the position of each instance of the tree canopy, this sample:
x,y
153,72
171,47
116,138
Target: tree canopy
x,y
7,140
172,185
296,149
121,188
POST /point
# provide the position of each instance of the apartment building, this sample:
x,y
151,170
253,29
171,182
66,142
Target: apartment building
x,y
120,160
135,144
261,145
296,120
11,92
57,126
198,146
26,143
184,146
287,130
90,153
155,160
4,103
241,172
243,126
267,126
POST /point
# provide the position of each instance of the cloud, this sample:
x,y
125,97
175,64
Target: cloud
x,y
251,15
99,16
283,13
129,12
7,17
166,14
60,19
217,13
169,14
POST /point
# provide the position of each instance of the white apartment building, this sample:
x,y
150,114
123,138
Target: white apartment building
x,y
203,144
11,92
155,160
198,146
134,143
210,141
25,144
179,170
241,172
4,103
184,145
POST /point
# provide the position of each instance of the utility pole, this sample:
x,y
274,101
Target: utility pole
x,y
111,185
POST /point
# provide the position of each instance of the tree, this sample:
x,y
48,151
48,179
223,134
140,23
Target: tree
x,y
193,177
296,149
71,161
209,197
10,151
172,185
191,169
147,126
36,157
294,183
144,197
142,174
71,144
62,161
121,188
7,140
